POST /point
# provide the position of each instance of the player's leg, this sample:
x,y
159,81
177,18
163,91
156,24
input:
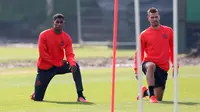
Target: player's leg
x,y
76,76
160,82
145,67
149,70
159,92
63,69
42,80
144,92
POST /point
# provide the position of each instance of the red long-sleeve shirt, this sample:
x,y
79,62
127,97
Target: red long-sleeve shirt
x,y
52,48
156,47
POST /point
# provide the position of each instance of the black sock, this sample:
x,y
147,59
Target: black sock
x,y
146,93
80,94
151,91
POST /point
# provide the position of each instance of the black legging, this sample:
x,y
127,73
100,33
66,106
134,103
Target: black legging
x,y
44,77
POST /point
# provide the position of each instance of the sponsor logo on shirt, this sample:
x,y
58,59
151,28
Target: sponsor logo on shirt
x,y
62,43
164,35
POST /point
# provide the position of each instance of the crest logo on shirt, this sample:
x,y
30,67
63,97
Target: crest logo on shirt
x,y
62,43
164,35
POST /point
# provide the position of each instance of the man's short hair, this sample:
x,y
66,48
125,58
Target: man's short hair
x,y
152,10
56,16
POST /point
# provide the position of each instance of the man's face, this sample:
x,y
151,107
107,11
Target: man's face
x,y
58,24
154,19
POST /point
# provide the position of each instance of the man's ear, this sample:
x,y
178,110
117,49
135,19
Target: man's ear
x,y
148,18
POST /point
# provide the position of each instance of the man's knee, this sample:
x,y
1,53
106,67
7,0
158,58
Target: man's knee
x,y
159,92
39,92
78,68
150,66
77,65
38,99
159,98
38,96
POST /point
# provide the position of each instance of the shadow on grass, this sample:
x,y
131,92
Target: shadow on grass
x,y
63,102
180,103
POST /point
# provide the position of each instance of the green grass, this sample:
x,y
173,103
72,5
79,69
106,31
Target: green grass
x,y
17,84
11,53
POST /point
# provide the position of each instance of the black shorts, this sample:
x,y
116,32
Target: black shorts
x,y
160,75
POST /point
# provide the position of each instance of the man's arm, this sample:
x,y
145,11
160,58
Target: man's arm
x,y
171,47
69,52
142,44
43,49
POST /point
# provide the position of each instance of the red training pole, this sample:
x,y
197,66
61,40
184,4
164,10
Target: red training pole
x,y
114,54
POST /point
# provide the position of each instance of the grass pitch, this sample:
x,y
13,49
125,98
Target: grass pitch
x,y
17,85
13,54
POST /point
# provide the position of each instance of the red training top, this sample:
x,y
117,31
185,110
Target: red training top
x,y
157,44
52,47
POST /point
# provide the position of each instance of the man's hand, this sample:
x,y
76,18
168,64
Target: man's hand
x,y
64,61
73,68
173,72
136,74
136,77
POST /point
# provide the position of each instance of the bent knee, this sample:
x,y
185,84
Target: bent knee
x,y
39,100
159,92
77,65
150,66
159,99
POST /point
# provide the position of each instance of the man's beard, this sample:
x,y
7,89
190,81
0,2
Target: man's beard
x,y
155,24
57,30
